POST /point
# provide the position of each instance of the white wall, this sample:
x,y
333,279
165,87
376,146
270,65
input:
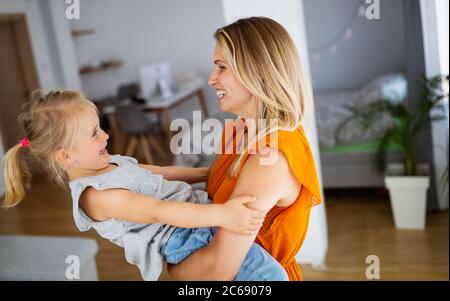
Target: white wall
x,y
435,26
142,31
61,46
377,46
290,14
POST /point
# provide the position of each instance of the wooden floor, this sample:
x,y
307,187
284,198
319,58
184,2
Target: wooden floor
x,y
359,224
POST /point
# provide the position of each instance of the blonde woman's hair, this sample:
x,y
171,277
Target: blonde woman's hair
x,y
50,123
265,61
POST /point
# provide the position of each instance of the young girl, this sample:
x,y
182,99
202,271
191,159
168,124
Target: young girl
x,y
138,207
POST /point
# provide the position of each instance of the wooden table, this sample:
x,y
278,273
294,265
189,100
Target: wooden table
x,y
162,107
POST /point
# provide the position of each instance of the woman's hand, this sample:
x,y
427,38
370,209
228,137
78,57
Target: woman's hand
x,y
235,216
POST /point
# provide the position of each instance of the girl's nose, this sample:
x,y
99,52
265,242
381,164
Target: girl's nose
x,y
105,136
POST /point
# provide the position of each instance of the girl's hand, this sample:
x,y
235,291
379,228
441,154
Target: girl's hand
x,y
203,173
237,217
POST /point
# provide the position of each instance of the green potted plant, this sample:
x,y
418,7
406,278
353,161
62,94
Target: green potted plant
x,y
408,182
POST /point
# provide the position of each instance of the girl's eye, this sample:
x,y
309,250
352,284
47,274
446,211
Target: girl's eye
x,y
221,68
95,133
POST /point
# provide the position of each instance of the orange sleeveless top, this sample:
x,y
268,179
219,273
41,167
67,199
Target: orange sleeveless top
x,y
284,228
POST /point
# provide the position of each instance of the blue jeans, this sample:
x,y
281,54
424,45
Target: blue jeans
x,y
258,265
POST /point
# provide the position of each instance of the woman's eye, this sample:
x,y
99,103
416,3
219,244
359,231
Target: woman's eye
x,y
95,133
221,68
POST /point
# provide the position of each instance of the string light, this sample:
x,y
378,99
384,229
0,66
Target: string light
x,y
345,33
361,11
333,49
348,33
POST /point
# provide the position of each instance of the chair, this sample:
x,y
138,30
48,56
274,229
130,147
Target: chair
x,y
133,123
127,91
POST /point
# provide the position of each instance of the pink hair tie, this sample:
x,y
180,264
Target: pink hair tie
x,y
24,142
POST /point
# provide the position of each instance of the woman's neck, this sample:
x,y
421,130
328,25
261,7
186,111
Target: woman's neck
x,y
248,110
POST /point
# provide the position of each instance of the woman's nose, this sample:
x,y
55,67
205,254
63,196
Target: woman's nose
x,y
212,79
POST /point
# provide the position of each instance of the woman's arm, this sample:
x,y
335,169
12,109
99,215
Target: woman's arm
x,y
180,173
125,205
222,258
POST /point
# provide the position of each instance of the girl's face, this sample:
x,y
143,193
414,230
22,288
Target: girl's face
x,y
233,96
89,152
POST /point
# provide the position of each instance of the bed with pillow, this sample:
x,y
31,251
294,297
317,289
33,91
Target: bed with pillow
x,y
348,159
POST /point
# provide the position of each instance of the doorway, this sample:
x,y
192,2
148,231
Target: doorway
x,y
18,76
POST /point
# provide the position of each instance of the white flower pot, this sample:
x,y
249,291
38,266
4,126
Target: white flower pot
x,y
408,196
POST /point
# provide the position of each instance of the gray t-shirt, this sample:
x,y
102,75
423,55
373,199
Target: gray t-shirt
x,y
141,242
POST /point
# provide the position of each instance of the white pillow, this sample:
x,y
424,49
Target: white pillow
x,y
391,86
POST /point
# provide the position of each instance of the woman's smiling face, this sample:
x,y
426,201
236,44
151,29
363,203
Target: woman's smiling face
x,y
233,96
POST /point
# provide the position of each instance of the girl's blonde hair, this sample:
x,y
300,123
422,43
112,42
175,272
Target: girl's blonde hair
x,y
264,59
50,123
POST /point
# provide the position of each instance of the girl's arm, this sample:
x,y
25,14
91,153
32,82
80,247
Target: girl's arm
x,y
180,173
125,205
222,257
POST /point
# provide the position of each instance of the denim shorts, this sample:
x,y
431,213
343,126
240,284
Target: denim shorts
x,y
258,265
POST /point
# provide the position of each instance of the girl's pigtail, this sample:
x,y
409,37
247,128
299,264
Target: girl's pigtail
x,y
17,176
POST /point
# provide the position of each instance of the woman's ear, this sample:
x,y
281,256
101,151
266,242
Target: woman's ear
x,y
63,157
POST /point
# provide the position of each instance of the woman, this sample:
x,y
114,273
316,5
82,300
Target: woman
x,y
258,76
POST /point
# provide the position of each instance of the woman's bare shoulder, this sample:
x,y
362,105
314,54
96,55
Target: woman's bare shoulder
x,y
268,173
